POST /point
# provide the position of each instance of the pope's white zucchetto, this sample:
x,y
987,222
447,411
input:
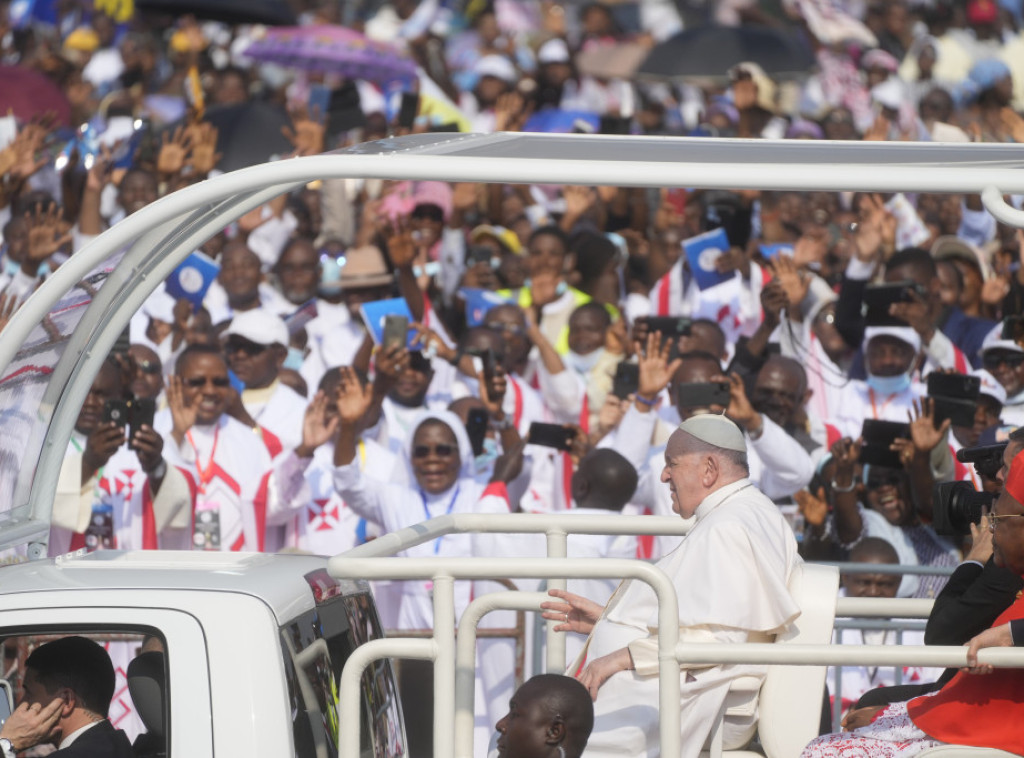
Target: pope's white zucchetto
x,y
716,430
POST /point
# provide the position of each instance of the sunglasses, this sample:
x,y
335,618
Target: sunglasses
x,y
441,451
246,346
148,367
197,382
994,360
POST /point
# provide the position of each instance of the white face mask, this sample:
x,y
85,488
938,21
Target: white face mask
x,y
583,364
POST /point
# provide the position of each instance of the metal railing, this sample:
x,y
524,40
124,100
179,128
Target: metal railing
x,y
454,661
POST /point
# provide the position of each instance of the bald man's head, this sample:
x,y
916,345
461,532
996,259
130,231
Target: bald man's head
x,y
604,479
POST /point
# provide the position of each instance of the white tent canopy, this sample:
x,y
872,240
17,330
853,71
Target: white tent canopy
x,y
55,343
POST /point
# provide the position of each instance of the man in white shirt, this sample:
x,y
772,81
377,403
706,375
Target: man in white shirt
x,y
240,492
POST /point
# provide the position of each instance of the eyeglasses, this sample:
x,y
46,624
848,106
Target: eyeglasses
x,y
441,451
993,360
198,382
993,520
515,331
148,367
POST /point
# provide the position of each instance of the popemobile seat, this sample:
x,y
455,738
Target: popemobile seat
x,y
789,705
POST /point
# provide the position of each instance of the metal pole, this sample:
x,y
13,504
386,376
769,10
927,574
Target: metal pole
x,y
444,665
555,663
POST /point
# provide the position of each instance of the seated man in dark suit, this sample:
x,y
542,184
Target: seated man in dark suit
x,y
76,672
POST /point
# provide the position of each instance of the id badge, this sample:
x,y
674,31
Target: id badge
x,y
206,533
99,535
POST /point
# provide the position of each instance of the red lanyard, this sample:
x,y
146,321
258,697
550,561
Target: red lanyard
x,y
874,409
205,473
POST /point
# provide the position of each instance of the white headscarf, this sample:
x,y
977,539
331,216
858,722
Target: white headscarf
x,y
454,423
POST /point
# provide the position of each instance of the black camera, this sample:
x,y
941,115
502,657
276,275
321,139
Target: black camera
x,y
987,459
957,505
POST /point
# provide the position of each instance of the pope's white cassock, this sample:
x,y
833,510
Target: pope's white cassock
x,y
731,574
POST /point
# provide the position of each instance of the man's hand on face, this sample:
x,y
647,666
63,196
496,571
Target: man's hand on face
x,y
31,724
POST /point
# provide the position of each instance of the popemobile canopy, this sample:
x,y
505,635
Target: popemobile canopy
x,y
54,345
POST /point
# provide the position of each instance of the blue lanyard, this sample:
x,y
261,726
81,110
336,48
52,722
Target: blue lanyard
x,y
426,511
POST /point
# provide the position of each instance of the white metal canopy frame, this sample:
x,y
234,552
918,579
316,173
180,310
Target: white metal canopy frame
x,y
55,343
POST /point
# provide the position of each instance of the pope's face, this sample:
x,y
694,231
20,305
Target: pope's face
x,y
682,474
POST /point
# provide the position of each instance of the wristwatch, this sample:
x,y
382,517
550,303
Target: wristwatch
x,y
500,426
7,747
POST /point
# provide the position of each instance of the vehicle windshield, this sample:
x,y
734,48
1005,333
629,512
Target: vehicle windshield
x,y
33,384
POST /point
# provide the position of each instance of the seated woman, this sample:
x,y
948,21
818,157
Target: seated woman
x,y
974,710
550,716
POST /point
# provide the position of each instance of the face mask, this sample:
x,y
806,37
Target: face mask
x,y
294,359
488,456
11,268
583,364
889,385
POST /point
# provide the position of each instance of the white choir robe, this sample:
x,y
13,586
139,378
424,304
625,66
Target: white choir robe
x,y
731,574
735,305
280,410
858,402
239,487
327,526
333,339
122,486
395,506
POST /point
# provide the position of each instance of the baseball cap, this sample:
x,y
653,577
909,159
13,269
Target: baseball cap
x,y
497,66
260,327
951,247
994,341
505,237
903,333
990,386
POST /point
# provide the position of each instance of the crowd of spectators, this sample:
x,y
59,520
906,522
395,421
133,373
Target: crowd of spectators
x,y
525,303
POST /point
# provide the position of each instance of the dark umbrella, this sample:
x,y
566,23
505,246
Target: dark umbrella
x,y
710,51
248,134
26,93
269,12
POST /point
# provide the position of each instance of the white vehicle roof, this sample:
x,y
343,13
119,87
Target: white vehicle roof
x,y
276,580
53,346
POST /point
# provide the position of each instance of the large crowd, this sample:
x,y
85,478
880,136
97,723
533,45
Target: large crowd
x,y
359,355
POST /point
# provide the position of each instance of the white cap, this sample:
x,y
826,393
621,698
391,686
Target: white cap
x,y
260,327
994,341
716,430
497,66
990,385
553,51
903,333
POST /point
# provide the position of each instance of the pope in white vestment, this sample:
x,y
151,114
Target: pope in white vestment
x,y
731,574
